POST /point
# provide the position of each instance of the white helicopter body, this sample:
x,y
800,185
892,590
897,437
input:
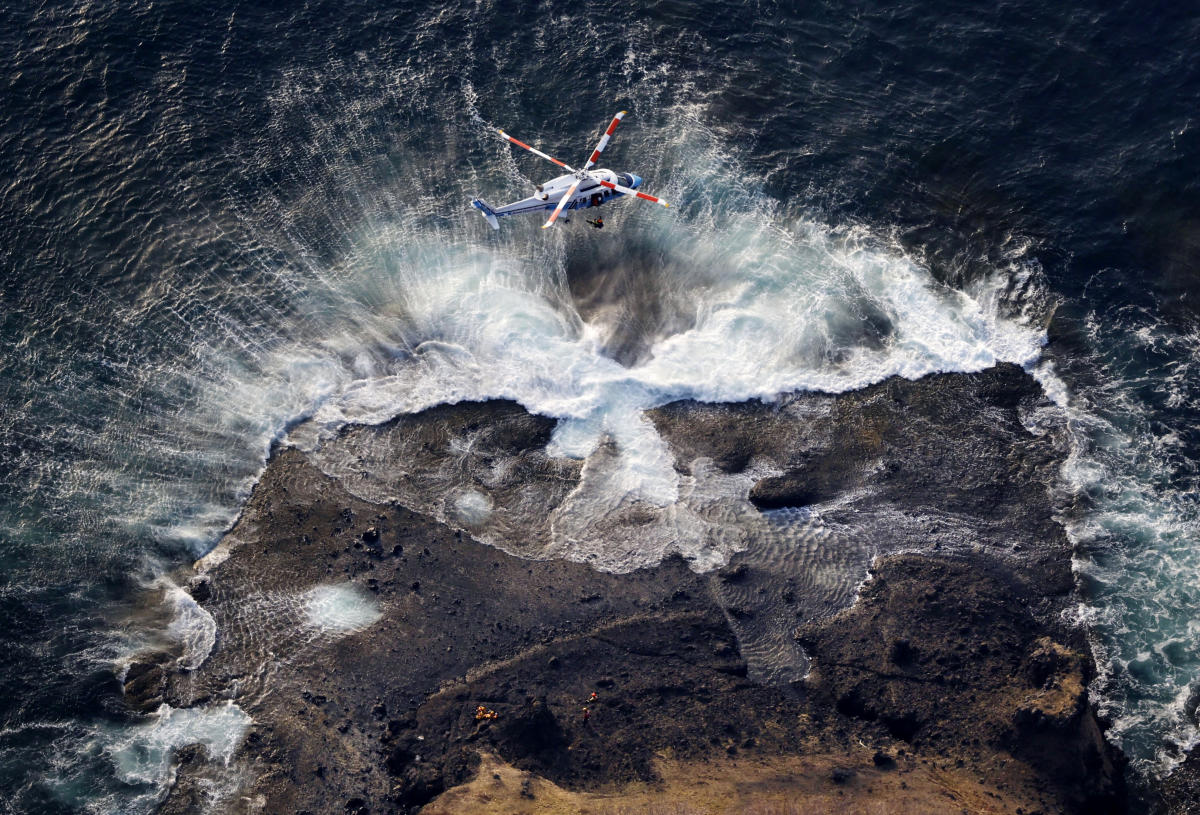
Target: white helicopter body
x,y
578,189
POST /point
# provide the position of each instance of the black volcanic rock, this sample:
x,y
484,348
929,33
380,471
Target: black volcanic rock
x,y
943,652
188,794
146,680
954,652
1179,794
795,488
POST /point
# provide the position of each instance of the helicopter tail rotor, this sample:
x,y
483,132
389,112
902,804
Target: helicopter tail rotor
x,y
486,211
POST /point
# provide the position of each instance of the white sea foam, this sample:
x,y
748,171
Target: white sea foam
x,y
191,626
140,758
472,507
777,307
1137,544
142,754
340,608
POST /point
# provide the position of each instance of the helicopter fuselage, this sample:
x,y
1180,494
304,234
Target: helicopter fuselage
x,y
547,197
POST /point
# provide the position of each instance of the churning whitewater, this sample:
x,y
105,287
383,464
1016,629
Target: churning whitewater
x,y
230,228
764,305
759,302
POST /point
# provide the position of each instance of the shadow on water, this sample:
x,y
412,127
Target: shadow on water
x,y
636,292
633,291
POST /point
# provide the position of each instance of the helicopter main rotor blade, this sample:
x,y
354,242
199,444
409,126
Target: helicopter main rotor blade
x,y
534,150
591,162
566,199
631,191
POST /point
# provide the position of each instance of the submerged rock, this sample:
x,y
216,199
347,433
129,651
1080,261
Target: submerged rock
x,y
146,680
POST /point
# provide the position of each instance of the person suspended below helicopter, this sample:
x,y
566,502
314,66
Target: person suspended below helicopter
x,y
598,222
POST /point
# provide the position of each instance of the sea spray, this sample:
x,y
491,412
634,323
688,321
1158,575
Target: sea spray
x,y
191,626
142,754
139,758
788,318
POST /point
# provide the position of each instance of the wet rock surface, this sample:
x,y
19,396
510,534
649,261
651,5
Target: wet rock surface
x,y
146,680
1180,793
440,649
188,794
944,655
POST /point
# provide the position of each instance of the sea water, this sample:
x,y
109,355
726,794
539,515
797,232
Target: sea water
x,y
223,223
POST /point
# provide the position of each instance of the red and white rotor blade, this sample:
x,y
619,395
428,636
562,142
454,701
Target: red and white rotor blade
x,y
591,162
534,150
633,192
566,199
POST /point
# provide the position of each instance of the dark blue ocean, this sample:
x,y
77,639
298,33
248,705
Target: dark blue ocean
x,y
219,219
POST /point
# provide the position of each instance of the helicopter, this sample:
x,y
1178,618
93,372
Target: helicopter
x,y
578,189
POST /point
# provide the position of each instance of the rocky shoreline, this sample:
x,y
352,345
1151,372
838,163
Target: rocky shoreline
x,y
889,631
